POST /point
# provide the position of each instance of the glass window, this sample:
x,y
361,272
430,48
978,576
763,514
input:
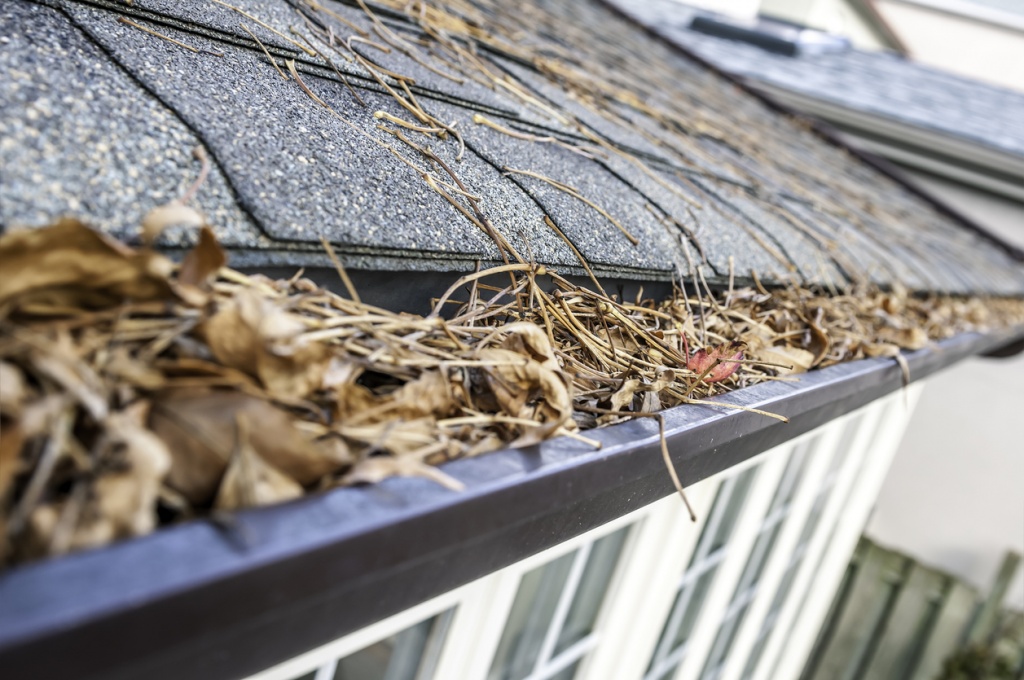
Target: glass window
x,y
551,624
700,574
529,619
579,622
408,655
767,536
806,534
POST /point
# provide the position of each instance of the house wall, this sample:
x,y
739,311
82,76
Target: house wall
x,y
1003,216
942,34
834,16
954,497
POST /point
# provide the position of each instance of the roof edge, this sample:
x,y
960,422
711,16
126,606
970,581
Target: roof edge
x,y
271,583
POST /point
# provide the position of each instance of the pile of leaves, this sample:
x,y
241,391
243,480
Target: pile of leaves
x,y
135,391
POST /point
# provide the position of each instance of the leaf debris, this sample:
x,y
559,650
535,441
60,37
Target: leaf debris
x,y
135,392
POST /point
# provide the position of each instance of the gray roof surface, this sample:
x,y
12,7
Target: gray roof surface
x,y
98,118
879,83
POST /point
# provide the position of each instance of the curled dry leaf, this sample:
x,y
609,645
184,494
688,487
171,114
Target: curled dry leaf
x,y
377,468
169,215
199,430
907,338
255,335
718,364
79,266
399,437
203,261
799,360
12,438
522,387
13,391
121,501
623,396
249,480
75,377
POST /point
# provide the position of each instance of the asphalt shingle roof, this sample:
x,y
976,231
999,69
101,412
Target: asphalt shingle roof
x,y
98,118
880,83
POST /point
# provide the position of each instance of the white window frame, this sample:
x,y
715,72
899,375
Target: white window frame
x,y
651,565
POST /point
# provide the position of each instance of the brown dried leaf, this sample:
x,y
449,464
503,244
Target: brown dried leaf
x,y
396,436
79,265
377,468
12,438
122,500
799,359
125,367
172,214
529,340
522,387
256,335
249,480
907,338
202,262
13,391
74,376
128,498
199,429
623,396
880,349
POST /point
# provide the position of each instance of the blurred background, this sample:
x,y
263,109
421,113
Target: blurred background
x,y
936,88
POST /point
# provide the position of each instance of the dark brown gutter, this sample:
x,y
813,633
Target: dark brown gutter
x,y
208,600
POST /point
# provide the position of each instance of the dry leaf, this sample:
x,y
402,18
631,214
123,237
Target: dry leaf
x,y
249,480
377,468
75,262
13,392
800,360
907,338
12,438
199,430
623,396
719,363
255,335
203,261
75,377
125,367
172,214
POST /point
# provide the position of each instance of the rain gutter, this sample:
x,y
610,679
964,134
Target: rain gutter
x,y
222,599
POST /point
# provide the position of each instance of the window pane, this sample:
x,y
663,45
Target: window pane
x,y
696,603
529,619
722,518
591,590
567,673
732,510
403,656
723,643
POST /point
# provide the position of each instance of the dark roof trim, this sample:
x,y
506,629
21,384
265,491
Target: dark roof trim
x,y
223,599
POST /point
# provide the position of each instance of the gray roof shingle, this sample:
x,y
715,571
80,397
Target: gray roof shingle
x,y
99,119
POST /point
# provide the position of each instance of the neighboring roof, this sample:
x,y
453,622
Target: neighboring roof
x,y
100,116
877,83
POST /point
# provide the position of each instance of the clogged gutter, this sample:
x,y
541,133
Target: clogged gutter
x,y
135,392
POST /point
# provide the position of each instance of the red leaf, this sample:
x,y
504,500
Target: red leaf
x,y
717,362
